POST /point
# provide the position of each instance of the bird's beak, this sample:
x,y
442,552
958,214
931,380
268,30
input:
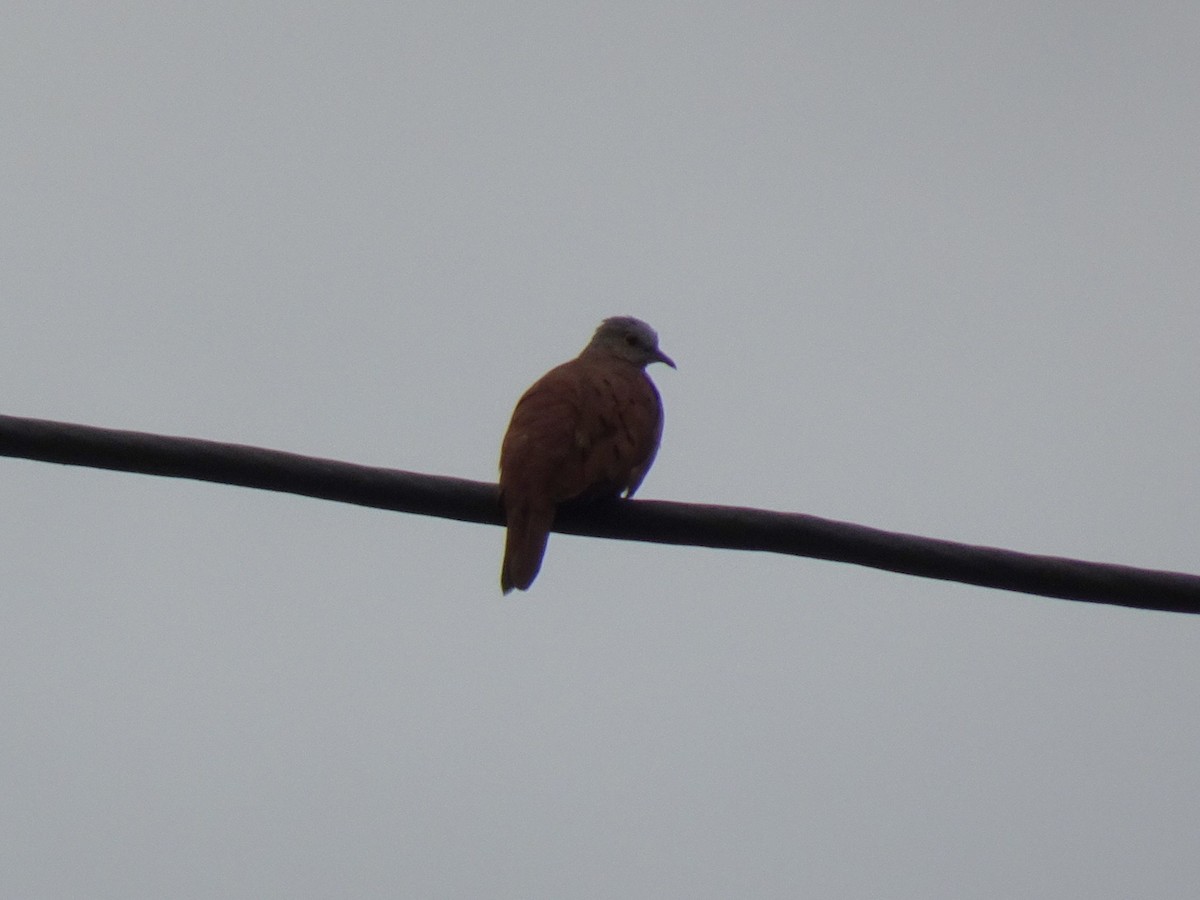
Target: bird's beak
x,y
661,357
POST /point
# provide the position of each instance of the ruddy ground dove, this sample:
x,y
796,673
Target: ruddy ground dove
x,y
586,429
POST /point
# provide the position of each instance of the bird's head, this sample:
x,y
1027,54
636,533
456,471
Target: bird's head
x,y
629,339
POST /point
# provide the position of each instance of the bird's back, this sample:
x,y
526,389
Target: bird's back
x,y
586,429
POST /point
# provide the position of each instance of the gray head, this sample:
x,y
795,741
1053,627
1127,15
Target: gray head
x,y
629,339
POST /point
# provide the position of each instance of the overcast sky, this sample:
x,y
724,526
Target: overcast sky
x,y
925,267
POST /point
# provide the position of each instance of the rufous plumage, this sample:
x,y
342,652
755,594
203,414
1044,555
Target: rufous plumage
x,y
586,429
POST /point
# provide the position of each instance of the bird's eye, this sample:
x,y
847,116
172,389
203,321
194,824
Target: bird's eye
x,y
631,340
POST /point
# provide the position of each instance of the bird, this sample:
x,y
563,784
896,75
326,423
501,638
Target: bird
x,y
587,429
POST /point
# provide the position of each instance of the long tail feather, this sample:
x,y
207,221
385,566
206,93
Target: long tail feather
x,y
528,533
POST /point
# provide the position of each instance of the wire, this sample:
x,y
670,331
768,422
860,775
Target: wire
x,y
655,521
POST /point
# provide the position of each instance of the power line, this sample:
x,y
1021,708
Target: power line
x,y
655,521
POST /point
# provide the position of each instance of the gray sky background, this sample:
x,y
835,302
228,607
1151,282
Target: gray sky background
x,y
927,267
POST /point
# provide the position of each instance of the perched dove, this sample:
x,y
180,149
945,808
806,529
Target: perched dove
x,y
586,429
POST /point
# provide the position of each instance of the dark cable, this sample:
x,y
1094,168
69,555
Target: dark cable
x,y
656,521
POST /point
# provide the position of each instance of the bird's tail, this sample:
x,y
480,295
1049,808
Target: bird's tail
x,y
528,532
